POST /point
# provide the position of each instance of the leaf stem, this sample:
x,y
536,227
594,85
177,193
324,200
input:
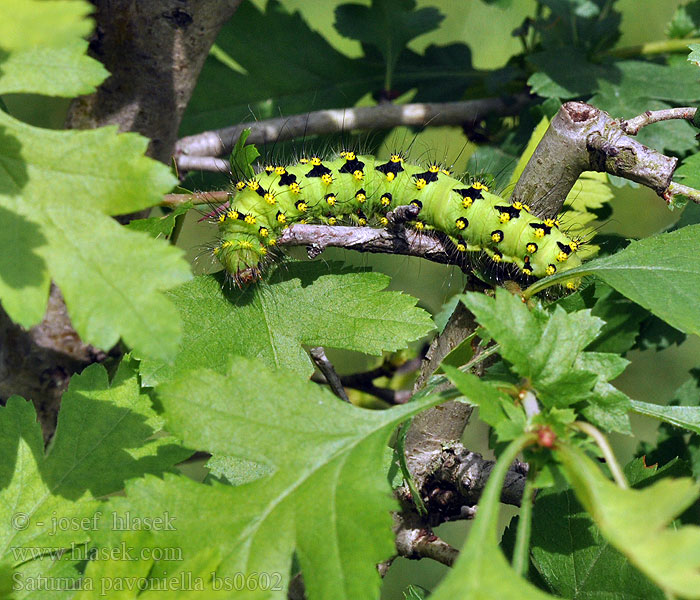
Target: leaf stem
x,y
602,443
177,228
543,284
405,471
652,48
521,551
486,522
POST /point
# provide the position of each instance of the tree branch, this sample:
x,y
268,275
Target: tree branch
x,y
367,239
364,381
632,126
415,540
452,487
384,116
154,51
584,138
318,355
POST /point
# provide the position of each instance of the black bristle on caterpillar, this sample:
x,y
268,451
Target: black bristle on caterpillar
x,y
362,190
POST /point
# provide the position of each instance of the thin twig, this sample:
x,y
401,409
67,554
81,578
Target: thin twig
x,y
364,381
203,163
383,116
416,540
632,126
367,239
678,189
175,200
318,355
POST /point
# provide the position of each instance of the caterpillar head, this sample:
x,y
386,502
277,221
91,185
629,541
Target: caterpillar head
x,y
242,258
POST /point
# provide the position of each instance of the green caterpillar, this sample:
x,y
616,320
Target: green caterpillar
x,y
362,190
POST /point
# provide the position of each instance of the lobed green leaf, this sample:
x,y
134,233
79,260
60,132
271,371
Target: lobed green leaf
x,y
659,273
100,423
574,559
637,522
323,498
300,303
481,571
57,190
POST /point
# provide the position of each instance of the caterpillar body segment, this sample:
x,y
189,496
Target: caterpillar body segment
x,y
361,189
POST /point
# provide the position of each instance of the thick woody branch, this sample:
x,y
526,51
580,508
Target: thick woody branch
x,y
452,488
154,51
584,138
217,143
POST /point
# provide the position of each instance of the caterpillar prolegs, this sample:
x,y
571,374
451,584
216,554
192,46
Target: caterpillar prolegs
x,y
362,190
